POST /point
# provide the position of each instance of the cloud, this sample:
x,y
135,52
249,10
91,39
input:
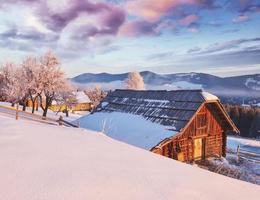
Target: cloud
x,y
188,20
218,47
240,19
152,11
160,56
138,28
110,17
244,6
77,24
194,50
194,30
27,34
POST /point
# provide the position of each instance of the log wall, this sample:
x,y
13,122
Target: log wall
x,y
204,125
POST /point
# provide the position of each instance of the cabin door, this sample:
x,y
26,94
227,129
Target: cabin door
x,y
198,145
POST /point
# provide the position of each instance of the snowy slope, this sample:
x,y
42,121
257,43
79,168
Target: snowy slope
x,y
48,162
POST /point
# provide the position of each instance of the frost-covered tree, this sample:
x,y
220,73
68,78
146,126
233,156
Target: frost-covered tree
x,y
52,80
31,75
134,81
96,95
12,86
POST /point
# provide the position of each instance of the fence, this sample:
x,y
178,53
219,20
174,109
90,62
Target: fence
x,y
11,111
250,156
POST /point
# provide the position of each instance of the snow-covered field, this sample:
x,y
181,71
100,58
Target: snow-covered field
x,y
50,114
40,161
246,144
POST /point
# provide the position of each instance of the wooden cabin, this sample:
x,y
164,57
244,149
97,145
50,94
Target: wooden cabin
x,y
197,122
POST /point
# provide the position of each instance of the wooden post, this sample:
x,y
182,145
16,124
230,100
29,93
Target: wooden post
x,y
60,120
17,111
238,154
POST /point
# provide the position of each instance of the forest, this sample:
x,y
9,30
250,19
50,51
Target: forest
x,y
247,119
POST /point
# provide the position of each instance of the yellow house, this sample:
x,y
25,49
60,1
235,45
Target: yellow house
x,y
83,104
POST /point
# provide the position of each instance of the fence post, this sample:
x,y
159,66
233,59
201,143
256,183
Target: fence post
x,y
78,123
238,153
60,120
16,111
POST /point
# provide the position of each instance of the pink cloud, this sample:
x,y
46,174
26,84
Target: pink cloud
x,y
188,20
152,10
138,28
240,19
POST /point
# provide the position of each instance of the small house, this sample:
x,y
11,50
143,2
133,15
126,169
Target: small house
x,y
186,125
83,103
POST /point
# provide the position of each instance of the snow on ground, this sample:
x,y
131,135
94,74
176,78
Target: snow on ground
x,y
246,144
51,114
249,164
50,162
252,83
128,128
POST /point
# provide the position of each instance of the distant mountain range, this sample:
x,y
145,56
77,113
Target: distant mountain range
x,y
246,87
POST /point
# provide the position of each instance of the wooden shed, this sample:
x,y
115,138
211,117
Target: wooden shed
x,y
197,120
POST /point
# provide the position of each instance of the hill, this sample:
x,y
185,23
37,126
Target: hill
x,y
51,162
236,89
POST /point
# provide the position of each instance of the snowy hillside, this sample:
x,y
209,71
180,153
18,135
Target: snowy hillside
x,y
50,162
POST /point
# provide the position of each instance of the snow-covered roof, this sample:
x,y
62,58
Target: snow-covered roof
x,y
129,128
169,108
82,97
209,97
50,162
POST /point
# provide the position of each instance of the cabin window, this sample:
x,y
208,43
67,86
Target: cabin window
x,y
201,120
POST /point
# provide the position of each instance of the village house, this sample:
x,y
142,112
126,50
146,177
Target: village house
x,y
83,103
186,125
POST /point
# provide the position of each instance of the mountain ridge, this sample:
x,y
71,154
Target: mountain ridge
x,y
242,86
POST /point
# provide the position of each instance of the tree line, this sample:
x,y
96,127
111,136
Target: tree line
x,y
39,80
247,119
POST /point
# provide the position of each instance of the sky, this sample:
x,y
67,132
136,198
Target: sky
x,y
220,37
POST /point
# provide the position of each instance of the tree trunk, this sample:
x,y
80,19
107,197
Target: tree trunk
x,y
33,106
48,102
37,105
24,106
45,112
67,111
